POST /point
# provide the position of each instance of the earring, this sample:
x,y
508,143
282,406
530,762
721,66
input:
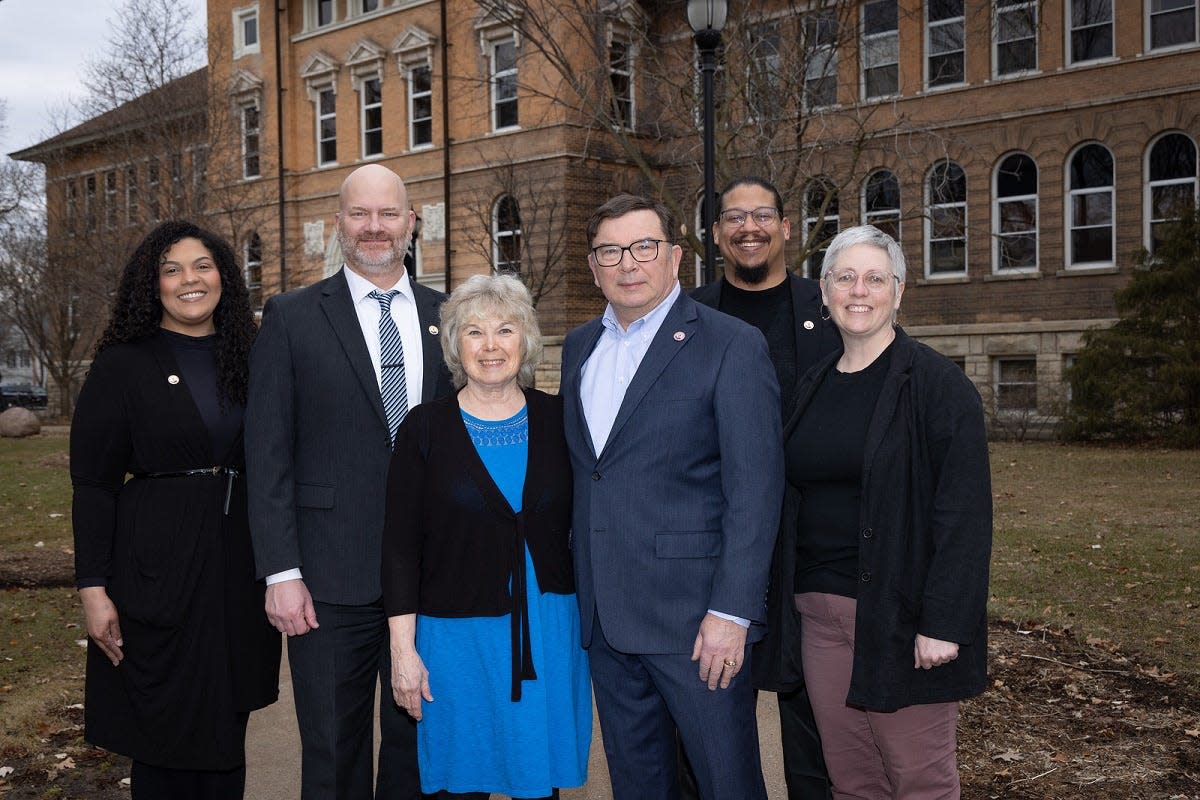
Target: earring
x,y
825,315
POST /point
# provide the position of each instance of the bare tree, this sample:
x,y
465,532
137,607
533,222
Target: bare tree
x,y
521,224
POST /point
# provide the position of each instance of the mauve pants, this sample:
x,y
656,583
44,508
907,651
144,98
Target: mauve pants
x,y
902,755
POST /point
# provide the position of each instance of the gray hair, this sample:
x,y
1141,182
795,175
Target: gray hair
x,y
491,297
865,234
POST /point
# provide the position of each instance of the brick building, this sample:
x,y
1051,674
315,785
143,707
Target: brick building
x,y
1024,151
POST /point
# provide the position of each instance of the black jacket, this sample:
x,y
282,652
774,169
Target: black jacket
x,y
926,531
451,542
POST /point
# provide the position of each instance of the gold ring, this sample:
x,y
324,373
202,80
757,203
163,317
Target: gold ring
x,y
731,663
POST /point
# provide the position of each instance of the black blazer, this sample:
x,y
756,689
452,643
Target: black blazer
x,y
926,522
776,666
317,444
451,541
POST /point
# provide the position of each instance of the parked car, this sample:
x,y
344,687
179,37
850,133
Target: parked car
x,y
22,394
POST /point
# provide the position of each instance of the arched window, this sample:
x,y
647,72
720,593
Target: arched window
x,y
506,235
1015,214
881,202
252,264
1171,185
820,222
1090,213
946,220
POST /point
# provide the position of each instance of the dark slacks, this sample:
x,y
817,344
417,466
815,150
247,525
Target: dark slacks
x,y
643,699
803,764
148,782
335,671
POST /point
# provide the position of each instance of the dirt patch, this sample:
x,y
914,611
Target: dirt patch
x,y
1065,719
37,567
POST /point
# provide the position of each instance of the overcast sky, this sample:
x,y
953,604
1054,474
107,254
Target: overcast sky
x,y
43,45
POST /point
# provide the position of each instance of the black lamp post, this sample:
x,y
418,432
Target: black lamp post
x,y
707,18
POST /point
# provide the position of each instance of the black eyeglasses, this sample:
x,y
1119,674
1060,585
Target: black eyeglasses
x,y
610,255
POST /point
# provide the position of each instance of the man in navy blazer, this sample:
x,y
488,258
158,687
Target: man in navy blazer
x,y
673,425
318,445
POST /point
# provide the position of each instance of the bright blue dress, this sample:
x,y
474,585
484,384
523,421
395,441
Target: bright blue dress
x,y
473,738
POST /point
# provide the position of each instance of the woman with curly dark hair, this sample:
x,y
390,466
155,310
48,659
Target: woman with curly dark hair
x,y
180,650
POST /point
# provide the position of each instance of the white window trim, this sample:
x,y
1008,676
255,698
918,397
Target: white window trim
x,y
132,198
820,222
1068,59
996,362
244,134
1069,195
863,44
1148,186
363,107
320,74
310,16
928,53
246,264
413,49
411,99
493,75
318,116
111,191
873,217
497,235
928,230
830,53
240,15
1148,15
997,237
1028,6
624,36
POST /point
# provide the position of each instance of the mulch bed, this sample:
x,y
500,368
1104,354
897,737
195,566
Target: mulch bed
x,y
1064,720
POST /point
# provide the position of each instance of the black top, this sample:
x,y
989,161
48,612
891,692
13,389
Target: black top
x,y
824,458
769,310
197,359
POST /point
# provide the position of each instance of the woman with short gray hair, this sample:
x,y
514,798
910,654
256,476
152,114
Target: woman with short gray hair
x,y
477,575
887,453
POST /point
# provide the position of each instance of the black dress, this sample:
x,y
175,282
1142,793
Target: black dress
x,y
199,652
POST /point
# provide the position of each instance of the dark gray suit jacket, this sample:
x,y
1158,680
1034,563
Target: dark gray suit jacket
x,y
317,446
678,514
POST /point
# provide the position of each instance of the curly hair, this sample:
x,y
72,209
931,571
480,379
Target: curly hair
x,y
137,310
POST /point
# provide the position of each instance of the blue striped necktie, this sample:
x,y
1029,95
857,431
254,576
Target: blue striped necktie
x,y
393,386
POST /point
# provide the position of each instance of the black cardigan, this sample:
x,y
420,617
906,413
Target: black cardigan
x,y
451,542
926,524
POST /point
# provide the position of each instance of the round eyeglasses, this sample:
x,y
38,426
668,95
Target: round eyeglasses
x,y
845,279
736,217
610,255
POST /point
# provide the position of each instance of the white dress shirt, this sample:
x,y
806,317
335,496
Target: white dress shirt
x,y
404,312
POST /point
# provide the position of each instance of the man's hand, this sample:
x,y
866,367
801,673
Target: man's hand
x,y
929,653
103,627
290,607
719,648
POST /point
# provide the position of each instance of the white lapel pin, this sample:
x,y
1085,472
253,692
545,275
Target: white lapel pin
x,y
679,336
172,379
433,330
808,325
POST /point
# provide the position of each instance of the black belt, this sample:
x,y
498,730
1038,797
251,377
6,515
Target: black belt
x,y
205,472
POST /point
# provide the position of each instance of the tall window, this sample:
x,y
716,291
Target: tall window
x,y
1172,23
420,107
620,81
153,190
1015,214
946,37
880,49
1014,383
89,202
110,200
250,123
252,259
199,179
131,196
1015,29
1091,240
372,118
72,204
881,202
323,11
820,222
245,31
821,62
762,72
506,235
1091,30
1172,186
504,84
946,222
326,127
175,163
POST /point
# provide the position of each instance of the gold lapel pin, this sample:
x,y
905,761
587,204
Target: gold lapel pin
x,y
172,379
